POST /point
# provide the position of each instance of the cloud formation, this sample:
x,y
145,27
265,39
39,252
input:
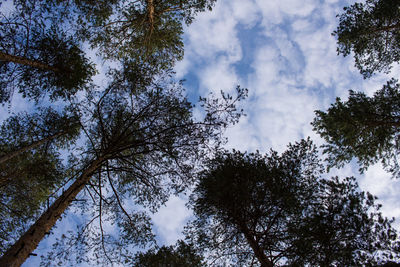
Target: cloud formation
x,y
284,53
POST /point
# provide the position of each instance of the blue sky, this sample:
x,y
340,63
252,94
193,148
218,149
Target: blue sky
x,y
283,52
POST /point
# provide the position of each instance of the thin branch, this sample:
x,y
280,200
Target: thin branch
x,y
80,234
117,196
100,221
90,194
98,193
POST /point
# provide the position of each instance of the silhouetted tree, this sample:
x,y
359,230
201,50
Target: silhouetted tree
x,y
363,127
371,30
276,210
37,57
180,255
143,144
30,166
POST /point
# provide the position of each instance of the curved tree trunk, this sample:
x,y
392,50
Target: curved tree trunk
x,y
26,62
27,243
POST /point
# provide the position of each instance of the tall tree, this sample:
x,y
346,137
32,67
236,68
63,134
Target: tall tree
x,y
142,144
180,255
147,29
26,183
370,30
37,57
276,210
30,166
24,132
343,227
363,127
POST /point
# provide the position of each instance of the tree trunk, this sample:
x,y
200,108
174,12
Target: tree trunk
x,y
27,243
258,251
150,7
29,147
27,62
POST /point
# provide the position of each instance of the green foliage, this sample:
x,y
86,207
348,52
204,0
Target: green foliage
x,y
371,30
25,184
363,127
38,57
25,129
276,209
180,255
29,177
72,71
44,38
145,29
151,147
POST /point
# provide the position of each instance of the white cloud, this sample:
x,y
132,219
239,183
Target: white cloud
x,y
170,219
380,183
212,32
241,136
220,76
245,12
294,70
274,12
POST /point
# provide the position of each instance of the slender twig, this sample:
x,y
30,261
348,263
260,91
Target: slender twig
x,y
100,221
117,196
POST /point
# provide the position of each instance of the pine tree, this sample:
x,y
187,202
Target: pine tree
x,y
142,143
30,166
371,30
363,127
146,29
37,57
179,255
276,210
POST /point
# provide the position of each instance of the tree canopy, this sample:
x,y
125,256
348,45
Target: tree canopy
x,y
363,127
37,57
142,145
370,30
30,166
277,210
142,28
366,127
180,255
41,41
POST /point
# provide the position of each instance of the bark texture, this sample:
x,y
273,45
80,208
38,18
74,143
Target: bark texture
x,y
150,7
21,250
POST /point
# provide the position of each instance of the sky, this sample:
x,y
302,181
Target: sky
x,y
284,53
